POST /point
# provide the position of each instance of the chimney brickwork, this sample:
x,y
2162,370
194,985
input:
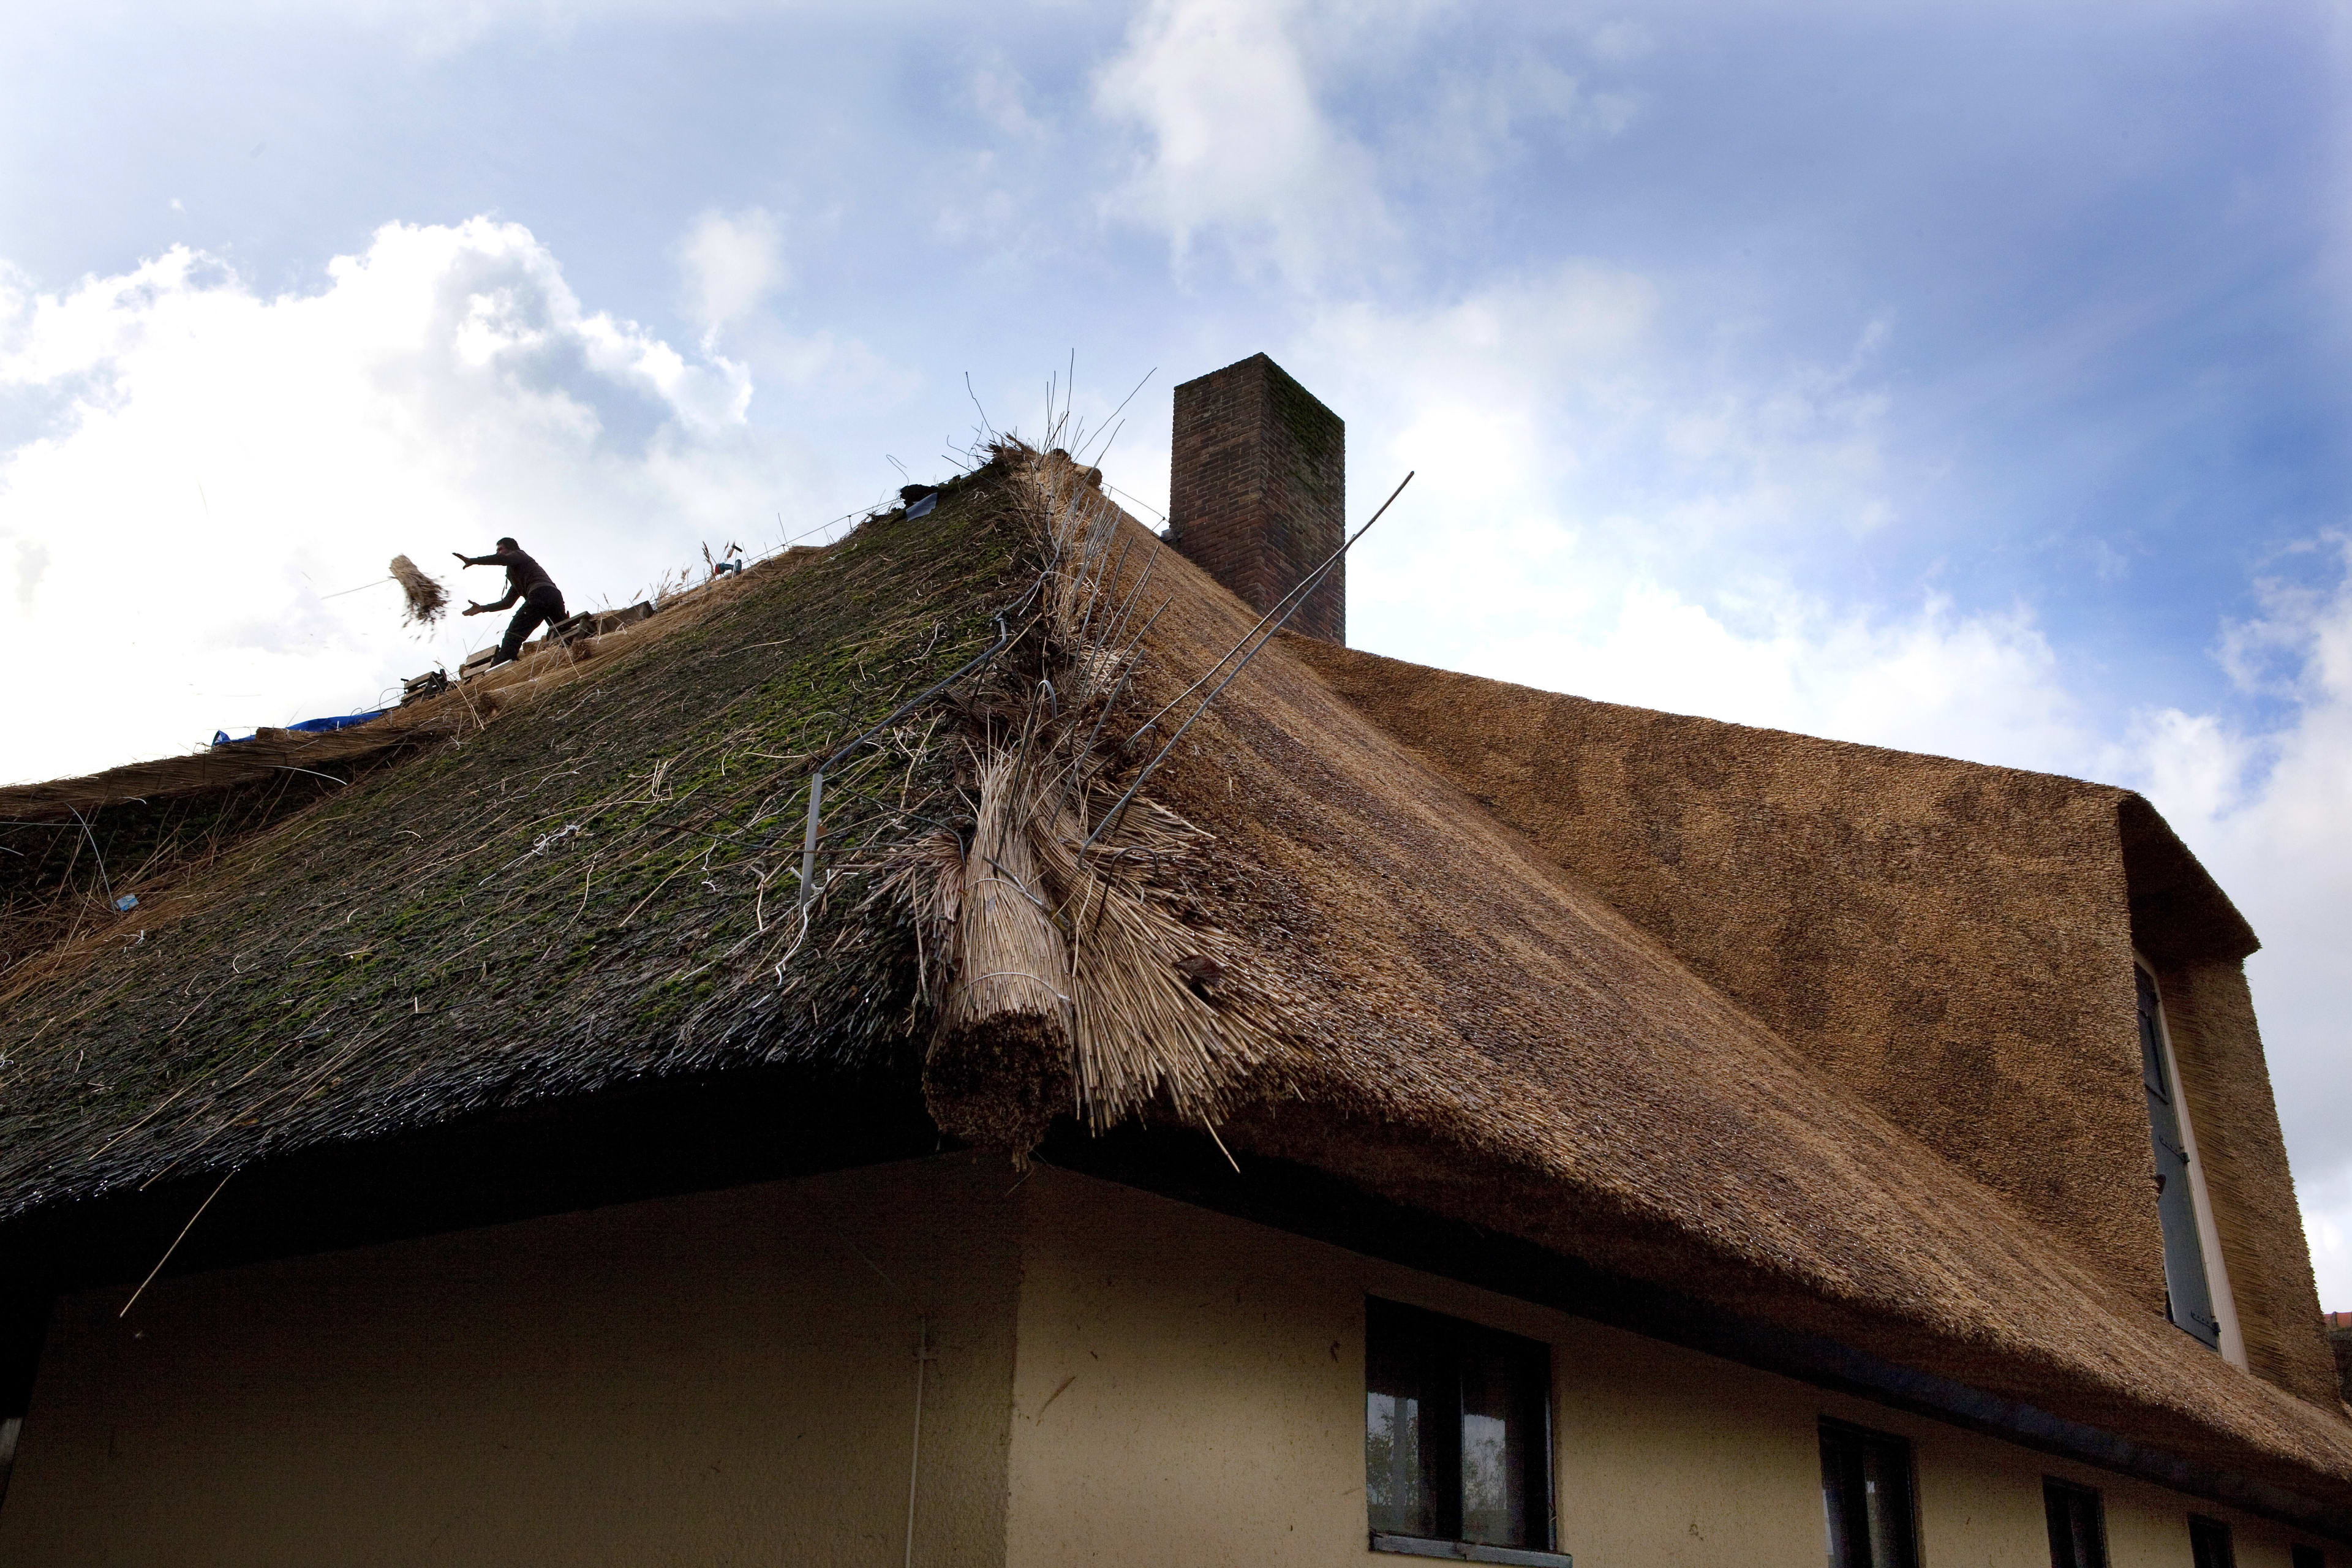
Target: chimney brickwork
x,y
1257,490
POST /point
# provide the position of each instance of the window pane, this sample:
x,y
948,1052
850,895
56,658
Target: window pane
x,y
1504,1388
1841,1498
2308,1557
1395,1476
1399,1448
2077,1536
2209,1543
1887,1501
1866,1498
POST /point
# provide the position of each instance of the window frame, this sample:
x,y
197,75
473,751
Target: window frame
x,y
1831,1428
1443,1347
2055,1491
2211,1544
2192,1263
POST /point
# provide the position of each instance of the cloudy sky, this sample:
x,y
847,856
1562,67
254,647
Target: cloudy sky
x,y
1966,378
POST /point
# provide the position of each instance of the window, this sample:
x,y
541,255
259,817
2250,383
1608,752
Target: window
x,y
2307,1557
2209,1543
1457,1436
24,1317
2078,1528
2188,1297
1866,1497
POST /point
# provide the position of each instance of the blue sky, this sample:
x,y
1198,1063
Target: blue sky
x,y
1969,379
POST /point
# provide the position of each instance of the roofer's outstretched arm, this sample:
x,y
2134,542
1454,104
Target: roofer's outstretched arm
x,y
495,558
512,595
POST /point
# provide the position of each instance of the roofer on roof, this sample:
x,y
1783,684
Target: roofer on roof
x,y
543,601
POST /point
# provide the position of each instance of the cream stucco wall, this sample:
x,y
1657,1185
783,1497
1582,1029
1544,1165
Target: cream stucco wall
x,y
727,1378
1189,1391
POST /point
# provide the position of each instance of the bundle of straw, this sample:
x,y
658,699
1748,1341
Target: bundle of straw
x,y
427,598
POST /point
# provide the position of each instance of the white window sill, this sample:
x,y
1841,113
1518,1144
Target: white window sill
x,y
1469,1552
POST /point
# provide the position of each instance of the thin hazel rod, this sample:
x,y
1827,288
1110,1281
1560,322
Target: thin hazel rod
x,y
1118,626
1106,440
1129,660
94,855
985,423
1131,396
1299,600
1094,595
1104,569
174,1246
1281,607
1074,551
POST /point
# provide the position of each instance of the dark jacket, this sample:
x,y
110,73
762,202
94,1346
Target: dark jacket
x,y
523,574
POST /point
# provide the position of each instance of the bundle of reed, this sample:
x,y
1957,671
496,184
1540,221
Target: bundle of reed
x,y
427,598
926,874
998,1069
1074,975
1165,1010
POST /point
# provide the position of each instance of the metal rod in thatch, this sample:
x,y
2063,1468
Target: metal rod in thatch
x,y
1296,598
1282,607
817,780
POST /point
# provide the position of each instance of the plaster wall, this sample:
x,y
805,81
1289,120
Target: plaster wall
x,y
723,1378
1189,1391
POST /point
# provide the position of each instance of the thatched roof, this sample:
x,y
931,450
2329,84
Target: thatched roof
x,y
1952,943
1300,931
591,862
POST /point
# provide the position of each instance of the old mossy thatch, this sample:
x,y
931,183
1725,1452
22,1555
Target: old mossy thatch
x,y
597,887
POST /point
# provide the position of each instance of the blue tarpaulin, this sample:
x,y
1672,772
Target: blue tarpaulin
x,y
307,726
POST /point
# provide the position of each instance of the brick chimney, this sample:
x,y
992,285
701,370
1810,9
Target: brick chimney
x,y
1256,489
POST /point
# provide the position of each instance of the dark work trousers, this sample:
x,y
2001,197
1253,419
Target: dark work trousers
x,y
543,605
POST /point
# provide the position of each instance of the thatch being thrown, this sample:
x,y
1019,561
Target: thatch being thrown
x,y
427,598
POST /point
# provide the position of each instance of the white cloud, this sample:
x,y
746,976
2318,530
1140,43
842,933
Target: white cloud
x,y
1235,140
1480,116
732,262
1584,519
213,463
1000,93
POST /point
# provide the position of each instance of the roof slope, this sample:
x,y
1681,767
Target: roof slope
x,y
1492,1040
1336,950
1950,941
576,896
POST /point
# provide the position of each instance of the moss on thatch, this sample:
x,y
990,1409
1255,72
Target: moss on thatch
x,y
598,887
